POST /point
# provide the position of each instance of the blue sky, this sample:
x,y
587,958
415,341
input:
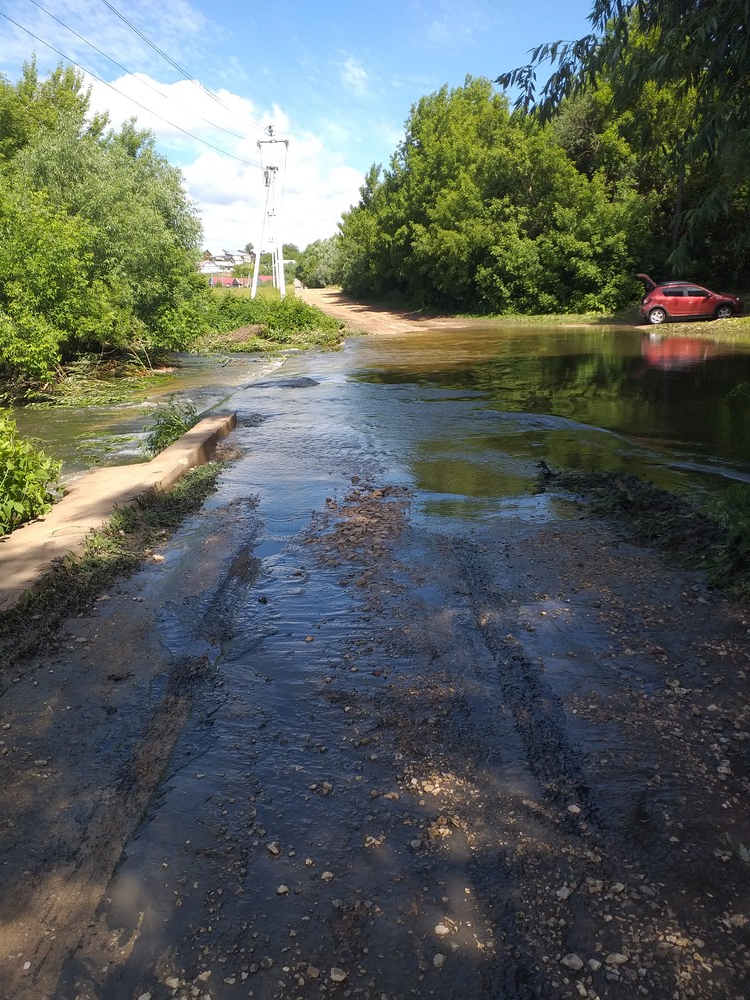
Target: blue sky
x,y
335,80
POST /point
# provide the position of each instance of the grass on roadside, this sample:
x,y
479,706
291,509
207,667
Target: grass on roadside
x,y
114,551
168,424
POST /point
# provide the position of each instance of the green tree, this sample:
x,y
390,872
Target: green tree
x,y
481,210
700,51
49,292
99,239
318,263
144,232
33,106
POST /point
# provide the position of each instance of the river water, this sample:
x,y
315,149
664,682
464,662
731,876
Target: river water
x,y
478,408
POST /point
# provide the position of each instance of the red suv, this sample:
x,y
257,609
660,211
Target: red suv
x,y
684,300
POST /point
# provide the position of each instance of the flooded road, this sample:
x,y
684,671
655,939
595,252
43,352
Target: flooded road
x,y
384,722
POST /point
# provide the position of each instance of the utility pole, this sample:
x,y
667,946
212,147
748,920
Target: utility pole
x,y
277,254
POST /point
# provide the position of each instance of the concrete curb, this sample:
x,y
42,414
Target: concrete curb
x,y
29,552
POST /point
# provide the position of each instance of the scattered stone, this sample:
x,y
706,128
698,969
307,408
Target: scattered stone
x,y
327,876
439,960
615,958
282,890
572,962
338,975
312,972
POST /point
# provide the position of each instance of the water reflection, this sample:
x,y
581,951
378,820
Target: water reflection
x,y
679,352
670,409
468,414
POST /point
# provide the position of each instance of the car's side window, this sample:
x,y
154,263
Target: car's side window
x,y
697,292
673,292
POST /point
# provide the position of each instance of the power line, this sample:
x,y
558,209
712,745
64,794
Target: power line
x,y
237,135
163,54
204,142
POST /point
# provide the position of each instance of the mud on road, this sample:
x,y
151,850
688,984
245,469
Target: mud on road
x,y
377,758
525,784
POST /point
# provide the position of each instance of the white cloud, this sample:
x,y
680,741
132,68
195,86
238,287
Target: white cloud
x,y
355,77
182,111
307,196
311,188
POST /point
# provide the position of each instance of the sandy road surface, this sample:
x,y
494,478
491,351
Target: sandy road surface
x,y
378,319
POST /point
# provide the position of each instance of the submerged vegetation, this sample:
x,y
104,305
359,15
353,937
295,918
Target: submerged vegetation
x,y
715,541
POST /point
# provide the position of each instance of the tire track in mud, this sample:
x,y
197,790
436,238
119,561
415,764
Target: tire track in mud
x,y
414,749
537,712
551,849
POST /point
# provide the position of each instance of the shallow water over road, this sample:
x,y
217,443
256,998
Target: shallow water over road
x,y
446,738
476,406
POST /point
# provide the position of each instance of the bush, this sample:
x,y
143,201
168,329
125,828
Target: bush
x,y
170,422
28,477
279,319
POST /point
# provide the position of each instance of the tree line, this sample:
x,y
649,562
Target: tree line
x,y
98,239
631,158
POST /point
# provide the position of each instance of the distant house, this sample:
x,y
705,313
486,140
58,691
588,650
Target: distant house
x,y
227,281
216,263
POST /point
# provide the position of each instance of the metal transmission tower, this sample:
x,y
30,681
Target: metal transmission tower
x,y
270,174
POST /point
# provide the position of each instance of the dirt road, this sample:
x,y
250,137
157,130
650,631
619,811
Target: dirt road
x,y
378,319
324,745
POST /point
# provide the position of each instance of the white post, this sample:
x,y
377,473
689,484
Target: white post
x,y
282,274
259,248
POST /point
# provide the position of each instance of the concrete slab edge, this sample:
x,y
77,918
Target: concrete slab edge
x,y
29,553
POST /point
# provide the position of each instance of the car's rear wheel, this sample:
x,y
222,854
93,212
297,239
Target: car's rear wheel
x,y
657,316
724,312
